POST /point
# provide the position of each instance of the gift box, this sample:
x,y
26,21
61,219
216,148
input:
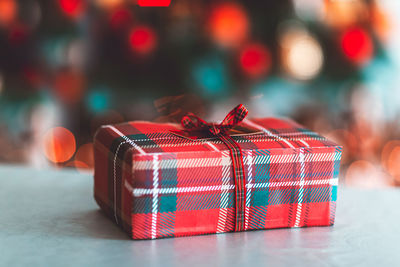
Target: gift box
x,y
160,180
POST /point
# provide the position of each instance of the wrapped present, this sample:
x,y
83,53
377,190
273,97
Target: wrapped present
x,y
160,180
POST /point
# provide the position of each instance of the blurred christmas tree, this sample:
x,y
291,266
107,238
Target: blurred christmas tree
x,y
79,64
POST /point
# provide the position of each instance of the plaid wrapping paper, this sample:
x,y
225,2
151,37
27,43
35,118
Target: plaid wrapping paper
x,y
156,184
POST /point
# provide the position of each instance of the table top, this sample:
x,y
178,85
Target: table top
x,y
49,218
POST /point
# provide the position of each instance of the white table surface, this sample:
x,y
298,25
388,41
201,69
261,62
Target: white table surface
x,y
49,218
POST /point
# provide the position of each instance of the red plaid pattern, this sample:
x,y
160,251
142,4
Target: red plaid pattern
x,y
156,184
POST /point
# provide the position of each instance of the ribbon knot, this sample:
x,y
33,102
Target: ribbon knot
x,y
234,117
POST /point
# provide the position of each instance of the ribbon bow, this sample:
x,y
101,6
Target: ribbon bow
x,y
237,115
193,122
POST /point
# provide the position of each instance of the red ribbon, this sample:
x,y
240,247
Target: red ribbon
x,y
194,123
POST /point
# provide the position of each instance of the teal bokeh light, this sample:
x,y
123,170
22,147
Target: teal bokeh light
x,y
211,77
98,99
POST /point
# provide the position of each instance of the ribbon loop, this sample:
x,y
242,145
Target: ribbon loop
x,y
234,117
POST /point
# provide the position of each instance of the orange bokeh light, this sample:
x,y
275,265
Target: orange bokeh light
x,y
76,164
80,166
142,40
381,21
85,155
109,4
59,144
8,11
387,150
393,163
363,173
343,14
228,24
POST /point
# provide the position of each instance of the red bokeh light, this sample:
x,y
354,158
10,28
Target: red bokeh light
x,y
72,8
357,45
142,40
228,24
69,86
154,2
255,60
120,18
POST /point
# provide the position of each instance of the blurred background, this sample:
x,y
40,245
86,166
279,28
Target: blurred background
x,y
69,66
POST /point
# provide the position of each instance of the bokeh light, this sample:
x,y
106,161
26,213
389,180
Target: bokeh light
x,y
59,144
386,150
69,86
357,45
120,18
391,159
210,75
255,60
363,173
79,165
381,21
76,54
8,11
393,163
85,155
154,2
228,24
343,14
143,40
302,56
72,8
98,99
108,4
